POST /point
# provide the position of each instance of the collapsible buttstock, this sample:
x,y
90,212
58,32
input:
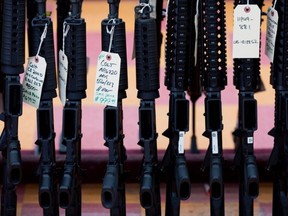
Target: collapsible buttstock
x,y
110,186
14,162
183,185
216,180
251,176
146,189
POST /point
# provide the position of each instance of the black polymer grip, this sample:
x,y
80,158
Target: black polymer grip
x,y
75,49
177,51
35,31
147,59
214,75
13,37
118,46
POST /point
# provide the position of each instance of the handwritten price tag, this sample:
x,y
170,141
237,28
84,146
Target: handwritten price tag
x,y
271,32
107,79
246,32
63,72
34,80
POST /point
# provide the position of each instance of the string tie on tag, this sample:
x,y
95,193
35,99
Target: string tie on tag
x,y
111,32
143,6
43,36
66,28
275,2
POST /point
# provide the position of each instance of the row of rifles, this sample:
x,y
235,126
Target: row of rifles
x,y
195,55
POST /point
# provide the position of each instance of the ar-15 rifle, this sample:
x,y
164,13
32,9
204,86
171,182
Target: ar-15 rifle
x,y
113,189
75,50
178,185
246,80
147,74
12,60
278,161
48,188
214,80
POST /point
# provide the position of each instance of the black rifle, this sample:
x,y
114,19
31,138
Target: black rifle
x,y
177,52
48,190
113,189
75,50
194,88
63,8
12,60
246,80
214,81
147,75
278,161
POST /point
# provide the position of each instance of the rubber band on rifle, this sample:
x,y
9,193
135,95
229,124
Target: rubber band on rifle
x,y
66,28
43,36
111,32
143,6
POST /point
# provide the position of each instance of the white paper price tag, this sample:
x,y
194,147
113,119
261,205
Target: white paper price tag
x,y
34,80
62,79
271,32
215,149
107,79
181,142
246,32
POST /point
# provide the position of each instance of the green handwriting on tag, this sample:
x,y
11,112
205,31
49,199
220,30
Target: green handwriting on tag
x,y
34,80
107,79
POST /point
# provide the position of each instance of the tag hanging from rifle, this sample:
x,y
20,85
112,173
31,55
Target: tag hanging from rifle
x,y
34,76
